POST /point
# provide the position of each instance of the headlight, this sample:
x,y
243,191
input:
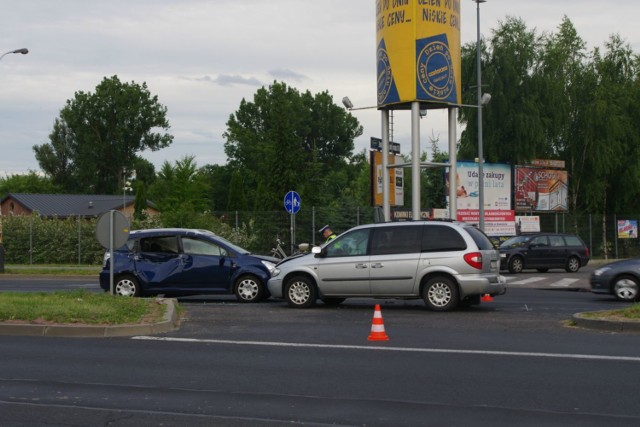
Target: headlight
x,y
275,272
105,258
601,271
270,266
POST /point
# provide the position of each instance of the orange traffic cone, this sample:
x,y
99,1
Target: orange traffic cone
x,y
377,326
486,298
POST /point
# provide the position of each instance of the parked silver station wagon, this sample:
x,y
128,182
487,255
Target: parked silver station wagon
x,y
445,263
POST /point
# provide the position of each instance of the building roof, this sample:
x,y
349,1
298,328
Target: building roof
x,y
66,205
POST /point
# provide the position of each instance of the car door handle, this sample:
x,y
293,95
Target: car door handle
x,y
377,265
361,265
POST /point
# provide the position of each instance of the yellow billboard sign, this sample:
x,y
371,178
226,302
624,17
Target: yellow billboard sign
x,y
418,52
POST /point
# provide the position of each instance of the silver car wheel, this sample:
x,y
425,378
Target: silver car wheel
x,y
439,294
626,289
248,289
573,265
300,292
126,287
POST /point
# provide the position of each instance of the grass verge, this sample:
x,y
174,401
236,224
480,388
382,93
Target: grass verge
x,y
623,314
59,270
77,307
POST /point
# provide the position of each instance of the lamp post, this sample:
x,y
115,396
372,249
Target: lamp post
x,y
480,153
23,51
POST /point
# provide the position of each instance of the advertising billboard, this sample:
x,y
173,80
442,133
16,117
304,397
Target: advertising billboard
x,y
396,180
418,52
497,186
539,189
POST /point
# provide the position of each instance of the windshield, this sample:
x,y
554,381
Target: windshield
x,y
515,242
234,247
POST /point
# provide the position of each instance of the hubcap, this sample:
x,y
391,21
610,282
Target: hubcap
x,y
439,294
626,289
574,264
248,289
299,293
125,288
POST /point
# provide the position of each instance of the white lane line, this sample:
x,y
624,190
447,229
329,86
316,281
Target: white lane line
x,y
400,349
526,281
563,283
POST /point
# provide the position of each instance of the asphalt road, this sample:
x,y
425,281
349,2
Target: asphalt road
x,y
510,361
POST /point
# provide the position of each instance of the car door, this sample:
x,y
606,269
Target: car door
x,y
557,251
395,255
344,270
158,263
207,266
538,254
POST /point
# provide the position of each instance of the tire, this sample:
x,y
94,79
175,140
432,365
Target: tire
x,y
127,286
300,292
516,265
626,288
440,294
248,289
573,264
333,301
542,270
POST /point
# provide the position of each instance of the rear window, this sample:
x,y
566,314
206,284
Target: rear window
x,y
438,238
480,238
573,241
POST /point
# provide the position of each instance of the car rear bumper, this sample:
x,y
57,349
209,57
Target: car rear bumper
x,y
481,285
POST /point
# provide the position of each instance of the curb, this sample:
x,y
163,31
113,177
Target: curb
x,y
167,324
604,324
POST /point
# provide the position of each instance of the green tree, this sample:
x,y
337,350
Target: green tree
x,y
180,192
513,130
236,201
98,135
28,183
286,140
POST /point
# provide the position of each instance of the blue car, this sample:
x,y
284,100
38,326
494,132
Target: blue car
x,y
176,261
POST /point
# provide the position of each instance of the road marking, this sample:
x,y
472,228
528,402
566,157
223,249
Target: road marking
x,y
527,281
399,349
563,283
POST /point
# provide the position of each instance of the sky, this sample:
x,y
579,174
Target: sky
x,y
202,57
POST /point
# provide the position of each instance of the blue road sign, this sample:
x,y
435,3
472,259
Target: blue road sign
x,y
292,202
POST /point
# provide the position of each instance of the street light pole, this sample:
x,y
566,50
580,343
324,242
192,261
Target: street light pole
x,y
23,51
480,153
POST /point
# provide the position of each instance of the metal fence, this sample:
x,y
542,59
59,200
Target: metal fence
x,y
73,240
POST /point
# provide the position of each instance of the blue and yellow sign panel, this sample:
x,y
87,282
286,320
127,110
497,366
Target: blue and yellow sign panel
x,y
418,54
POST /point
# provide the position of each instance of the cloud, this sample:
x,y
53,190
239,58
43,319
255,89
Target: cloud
x,y
227,80
286,74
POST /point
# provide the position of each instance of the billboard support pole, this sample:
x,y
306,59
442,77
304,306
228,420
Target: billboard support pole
x,y
415,160
386,206
453,161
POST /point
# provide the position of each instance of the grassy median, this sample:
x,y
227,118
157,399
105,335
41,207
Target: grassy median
x,y
77,307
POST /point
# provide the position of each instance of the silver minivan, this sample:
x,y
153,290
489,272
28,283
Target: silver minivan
x,y
443,262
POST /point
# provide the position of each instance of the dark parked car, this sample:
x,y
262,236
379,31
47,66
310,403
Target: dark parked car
x,y
186,262
620,279
543,251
